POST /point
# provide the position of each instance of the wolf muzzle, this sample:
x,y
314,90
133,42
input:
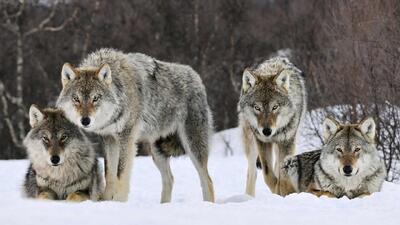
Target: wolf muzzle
x,y
347,170
55,160
85,121
267,131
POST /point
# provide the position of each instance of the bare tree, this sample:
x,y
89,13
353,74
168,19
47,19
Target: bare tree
x,y
13,23
361,68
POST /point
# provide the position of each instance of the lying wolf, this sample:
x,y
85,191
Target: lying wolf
x,y
348,164
63,162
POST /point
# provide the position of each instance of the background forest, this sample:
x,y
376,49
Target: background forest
x,y
349,51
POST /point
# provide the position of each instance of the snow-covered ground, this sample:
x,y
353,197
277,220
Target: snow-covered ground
x,y
232,207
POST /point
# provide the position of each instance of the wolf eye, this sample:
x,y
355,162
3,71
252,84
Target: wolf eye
x,y
76,99
257,108
96,98
339,149
275,107
45,139
64,137
357,149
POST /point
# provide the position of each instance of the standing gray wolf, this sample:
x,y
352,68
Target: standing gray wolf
x,y
271,106
63,162
133,98
348,164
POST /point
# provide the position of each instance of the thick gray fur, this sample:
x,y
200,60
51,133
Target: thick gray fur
x,y
274,82
148,101
320,170
79,171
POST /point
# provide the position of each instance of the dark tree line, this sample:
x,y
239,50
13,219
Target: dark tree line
x,y
348,50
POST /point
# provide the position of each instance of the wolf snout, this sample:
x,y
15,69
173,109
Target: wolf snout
x,y
55,160
347,170
85,121
267,131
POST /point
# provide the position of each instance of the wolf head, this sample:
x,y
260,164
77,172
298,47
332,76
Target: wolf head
x,y
349,149
52,138
85,96
265,101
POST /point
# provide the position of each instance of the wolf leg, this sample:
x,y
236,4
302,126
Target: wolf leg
x,y
162,163
194,139
47,195
97,187
111,155
127,152
265,154
77,197
285,149
363,195
320,193
251,155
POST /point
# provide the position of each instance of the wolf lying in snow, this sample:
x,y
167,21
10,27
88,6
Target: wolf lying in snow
x,y
347,165
63,162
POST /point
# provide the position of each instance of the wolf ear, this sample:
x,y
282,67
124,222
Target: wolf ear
x,y
329,127
248,80
67,74
367,127
104,74
35,115
282,80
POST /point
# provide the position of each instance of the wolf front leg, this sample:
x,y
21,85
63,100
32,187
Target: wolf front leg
x,y
46,195
111,156
265,154
119,152
78,196
285,148
251,154
127,151
284,186
320,193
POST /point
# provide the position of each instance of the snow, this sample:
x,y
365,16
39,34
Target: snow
x,y
187,207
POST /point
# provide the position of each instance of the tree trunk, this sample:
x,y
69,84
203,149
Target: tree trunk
x,y
19,86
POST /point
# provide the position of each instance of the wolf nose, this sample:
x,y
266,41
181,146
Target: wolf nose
x,y
267,131
85,121
55,159
347,170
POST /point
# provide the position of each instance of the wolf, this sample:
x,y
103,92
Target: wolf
x,y
63,163
131,98
347,165
271,106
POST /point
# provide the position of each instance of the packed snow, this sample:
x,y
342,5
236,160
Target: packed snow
x,y
228,170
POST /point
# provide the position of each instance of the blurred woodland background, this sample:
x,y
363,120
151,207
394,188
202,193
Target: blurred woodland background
x,y
348,49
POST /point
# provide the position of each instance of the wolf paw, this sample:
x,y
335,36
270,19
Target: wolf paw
x,y
108,194
45,196
114,196
77,197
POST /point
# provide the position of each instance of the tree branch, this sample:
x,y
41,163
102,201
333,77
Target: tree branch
x,y
43,25
65,23
7,118
13,28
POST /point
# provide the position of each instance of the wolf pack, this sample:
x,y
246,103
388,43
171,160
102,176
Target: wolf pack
x,y
133,101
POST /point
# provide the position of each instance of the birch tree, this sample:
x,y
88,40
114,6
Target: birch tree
x,y
13,21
